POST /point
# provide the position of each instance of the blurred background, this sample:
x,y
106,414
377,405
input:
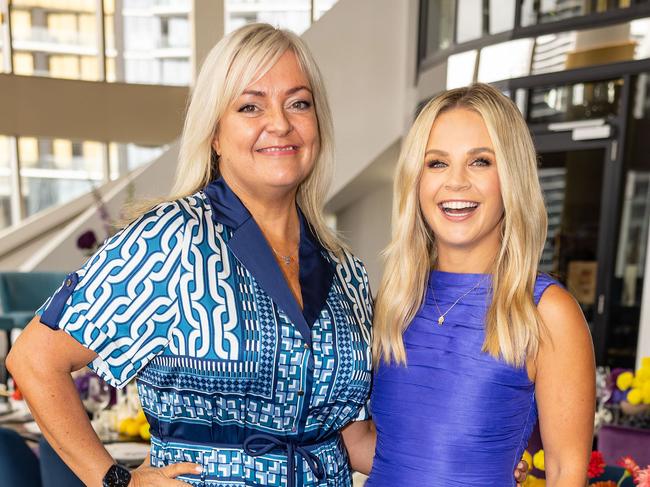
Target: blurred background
x,y
93,93
92,96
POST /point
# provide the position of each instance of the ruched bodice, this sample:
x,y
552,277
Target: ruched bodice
x,y
454,416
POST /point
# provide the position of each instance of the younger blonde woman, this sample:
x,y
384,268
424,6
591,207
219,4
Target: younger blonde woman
x,y
472,344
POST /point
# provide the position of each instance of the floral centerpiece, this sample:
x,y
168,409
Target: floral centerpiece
x,y
595,471
633,388
623,396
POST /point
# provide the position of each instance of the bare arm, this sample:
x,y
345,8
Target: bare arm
x,y
565,390
360,438
41,362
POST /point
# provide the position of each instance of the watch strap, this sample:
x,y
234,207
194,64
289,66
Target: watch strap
x,y
116,476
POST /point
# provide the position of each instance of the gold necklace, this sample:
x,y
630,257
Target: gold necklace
x,y
441,318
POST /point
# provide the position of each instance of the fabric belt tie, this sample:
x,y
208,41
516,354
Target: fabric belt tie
x,y
260,444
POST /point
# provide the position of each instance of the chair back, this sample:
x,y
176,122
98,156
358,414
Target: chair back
x,y
18,463
22,293
54,472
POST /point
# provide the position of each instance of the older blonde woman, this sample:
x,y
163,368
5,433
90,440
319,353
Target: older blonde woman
x,y
243,317
472,343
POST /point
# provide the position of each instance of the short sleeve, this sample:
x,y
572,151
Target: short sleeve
x,y
124,302
364,413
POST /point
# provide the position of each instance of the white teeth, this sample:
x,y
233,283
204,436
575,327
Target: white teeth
x,y
458,205
278,149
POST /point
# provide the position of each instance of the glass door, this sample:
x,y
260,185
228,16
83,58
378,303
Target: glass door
x,y
579,182
572,183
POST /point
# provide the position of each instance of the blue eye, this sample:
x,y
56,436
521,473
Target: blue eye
x,y
481,162
436,164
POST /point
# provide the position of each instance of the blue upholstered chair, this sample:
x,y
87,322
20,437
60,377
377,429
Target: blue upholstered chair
x,y
54,472
6,326
22,293
18,463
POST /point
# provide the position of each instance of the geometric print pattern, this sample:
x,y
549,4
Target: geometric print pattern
x,y
127,297
215,357
226,466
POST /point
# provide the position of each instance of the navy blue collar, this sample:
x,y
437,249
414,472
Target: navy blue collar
x,y
250,247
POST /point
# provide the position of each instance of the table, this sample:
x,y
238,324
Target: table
x,y
126,451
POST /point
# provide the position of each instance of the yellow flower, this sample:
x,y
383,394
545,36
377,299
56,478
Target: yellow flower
x,y
528,458
538,460
144,432
624,380
141,418
637,383
643,373
132,428
634,396
125,425
645,362
645,392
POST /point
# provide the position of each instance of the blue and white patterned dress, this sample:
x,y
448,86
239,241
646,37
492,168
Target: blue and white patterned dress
x,y
231,373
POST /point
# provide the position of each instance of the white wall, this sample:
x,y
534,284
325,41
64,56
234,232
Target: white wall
x,y
366,50
365,225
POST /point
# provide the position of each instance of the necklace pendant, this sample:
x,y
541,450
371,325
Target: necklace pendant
x,y
441,320
286,259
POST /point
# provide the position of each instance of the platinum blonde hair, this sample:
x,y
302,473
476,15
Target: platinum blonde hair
x,y
236,61
513,325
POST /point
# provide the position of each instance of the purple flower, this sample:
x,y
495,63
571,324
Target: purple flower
x,y
87,240
617,396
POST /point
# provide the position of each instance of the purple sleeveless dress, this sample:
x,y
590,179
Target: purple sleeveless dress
x,y
454,416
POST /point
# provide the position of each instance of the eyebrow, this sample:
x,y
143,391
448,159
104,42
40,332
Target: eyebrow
x,y
475,150
289,92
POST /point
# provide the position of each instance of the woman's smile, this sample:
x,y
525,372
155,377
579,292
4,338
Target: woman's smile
x,y
458,210
279,150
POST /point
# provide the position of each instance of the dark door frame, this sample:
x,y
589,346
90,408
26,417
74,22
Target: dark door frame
x,y
608,222
611,193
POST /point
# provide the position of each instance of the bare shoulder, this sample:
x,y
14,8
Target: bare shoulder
x,y
563,318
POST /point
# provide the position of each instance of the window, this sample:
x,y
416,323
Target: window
x,y
55,38
53,171
153,44
439,26
502,16
505,60
536,12
124,158
295,15
470,21
579,101
4,38
6,152
460,69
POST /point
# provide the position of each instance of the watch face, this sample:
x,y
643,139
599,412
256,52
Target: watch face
x,y
117,476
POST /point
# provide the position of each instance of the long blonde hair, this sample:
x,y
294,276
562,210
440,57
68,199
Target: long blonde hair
x,y
236,61
513,325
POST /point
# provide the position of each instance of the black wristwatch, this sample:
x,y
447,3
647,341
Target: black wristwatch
x,y
117,476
